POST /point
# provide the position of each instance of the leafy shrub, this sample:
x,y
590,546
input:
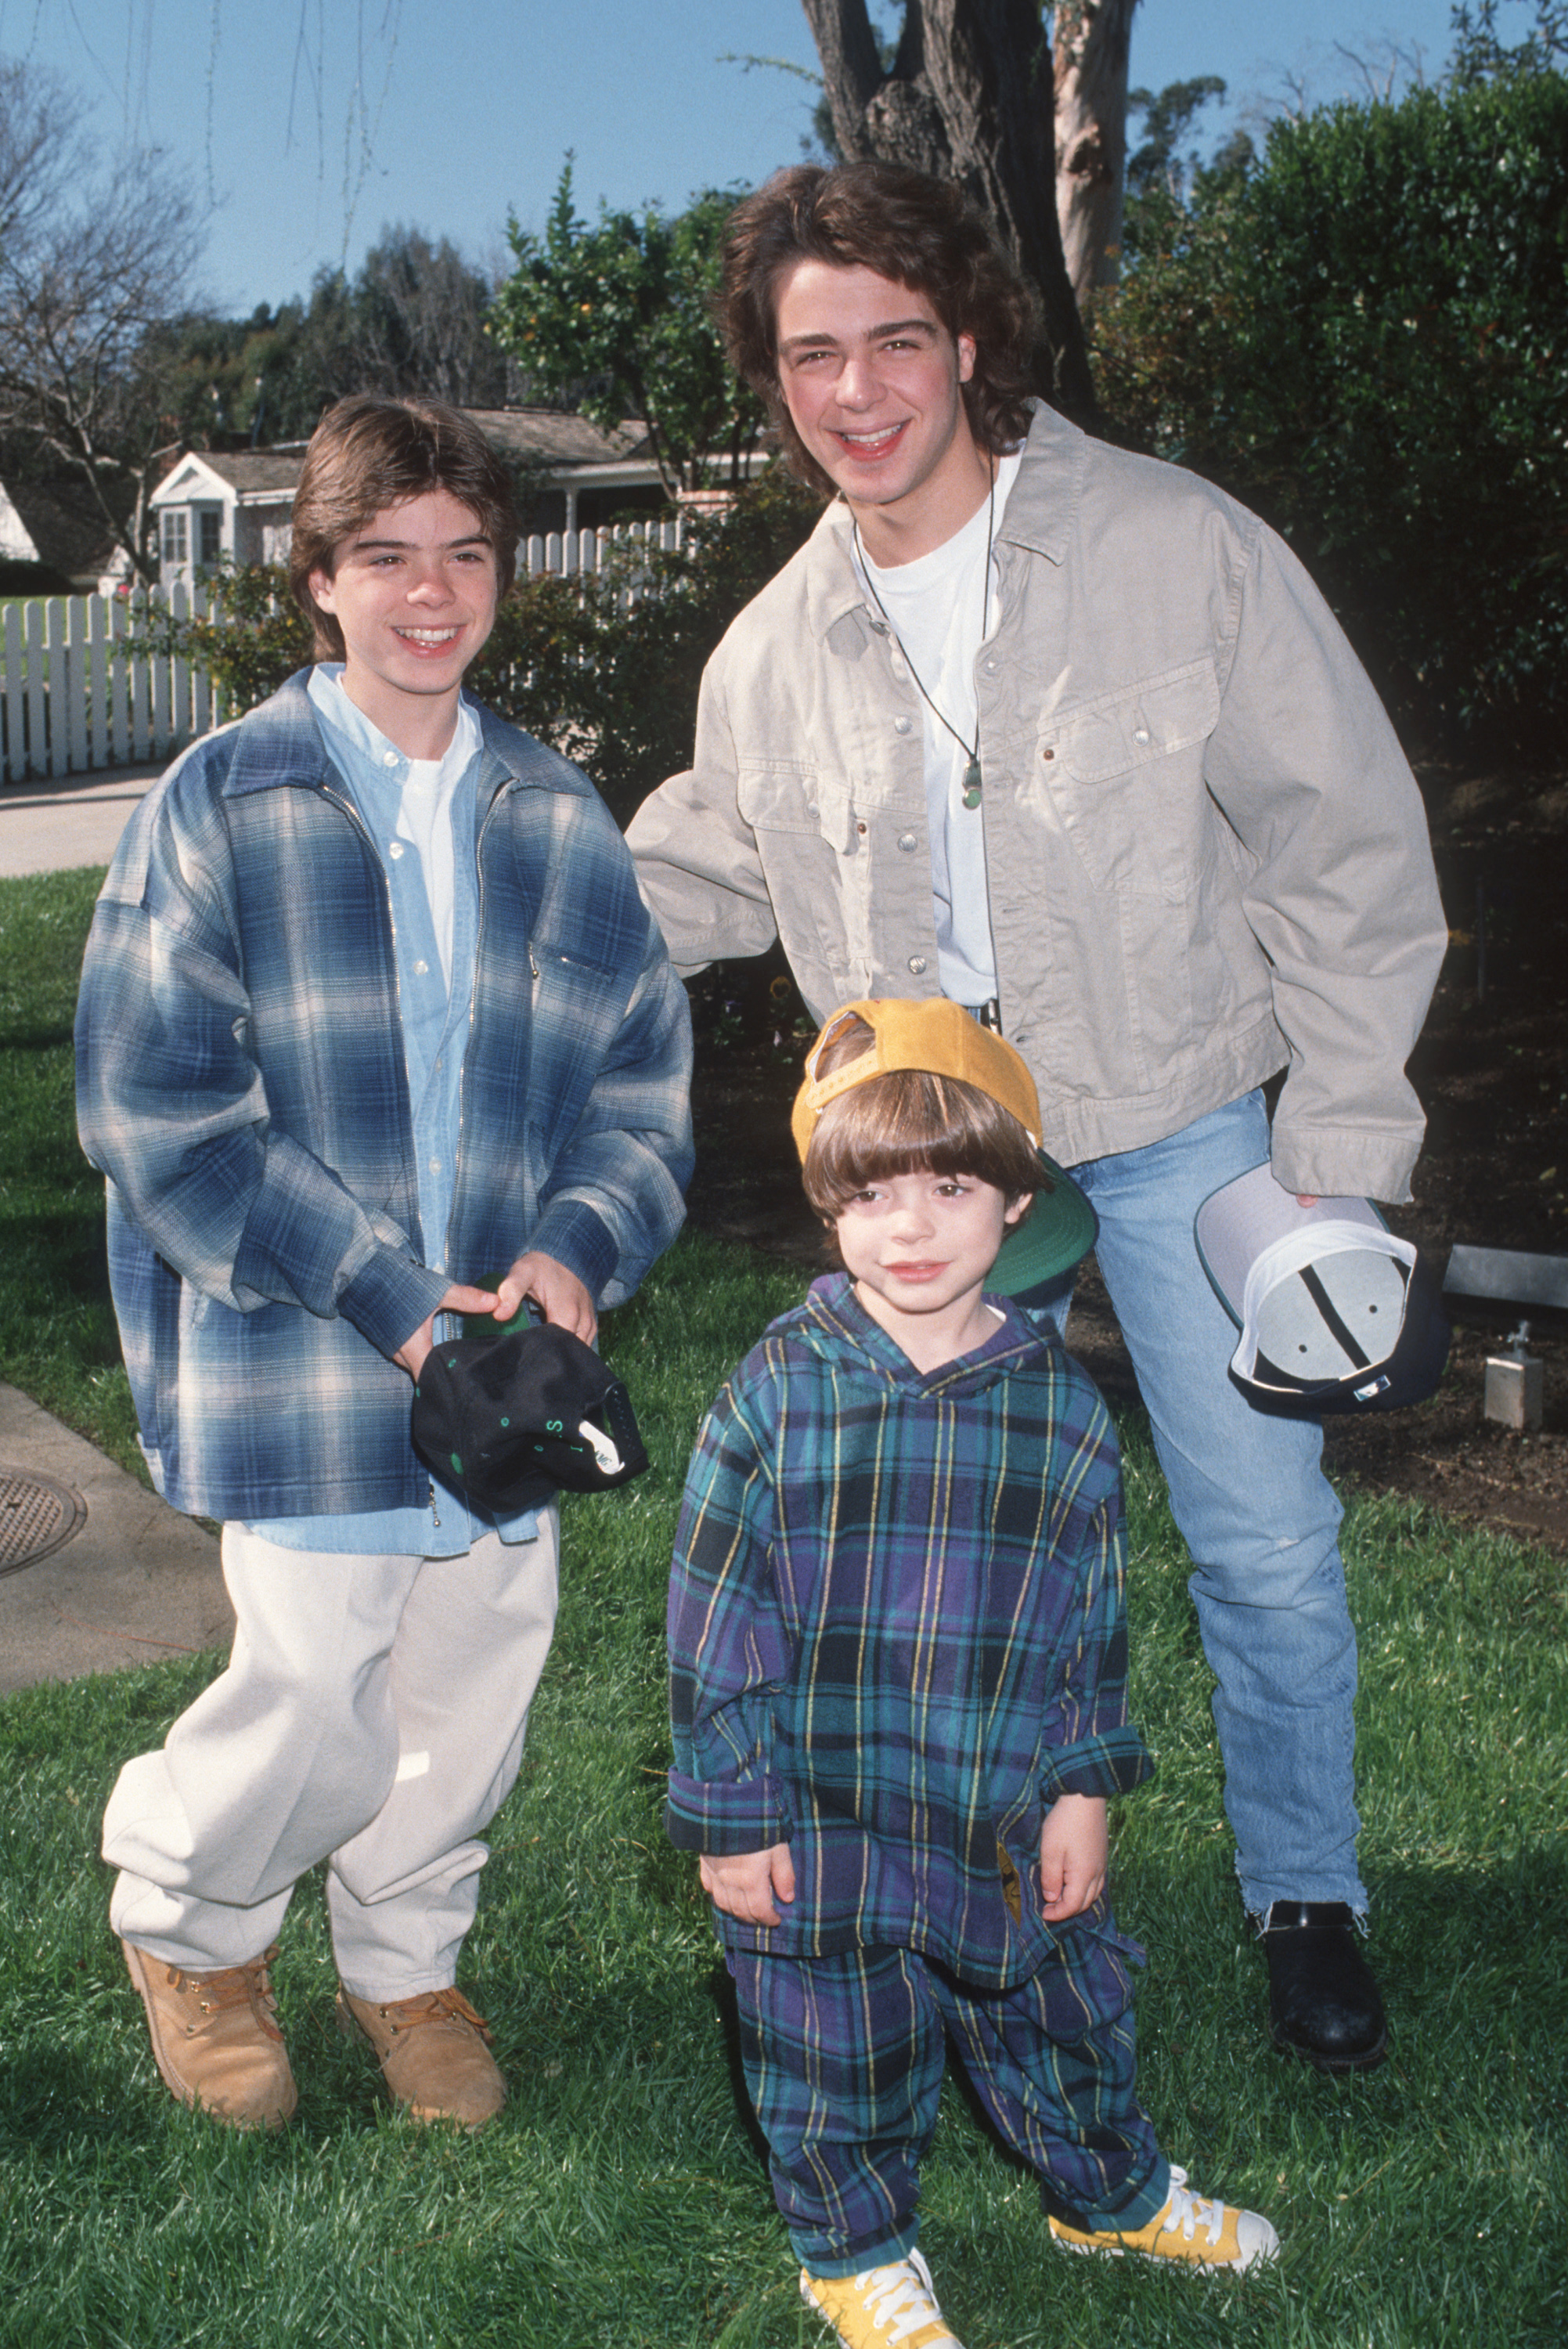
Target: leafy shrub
x,y
606,667
1367,340
617,320
255,636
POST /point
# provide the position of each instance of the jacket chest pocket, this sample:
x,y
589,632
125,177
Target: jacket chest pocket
x,y
803,800
1124,775
812,836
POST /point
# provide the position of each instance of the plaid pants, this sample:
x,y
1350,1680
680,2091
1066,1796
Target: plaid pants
x,y
843,2057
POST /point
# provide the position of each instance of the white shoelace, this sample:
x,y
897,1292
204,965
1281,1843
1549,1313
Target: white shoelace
x,y
902,2297
1190,2211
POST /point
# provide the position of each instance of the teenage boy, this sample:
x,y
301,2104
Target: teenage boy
x,y
374,1029
1068,737
898,1667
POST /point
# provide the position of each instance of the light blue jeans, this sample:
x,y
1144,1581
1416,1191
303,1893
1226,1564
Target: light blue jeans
x,y
1259,1519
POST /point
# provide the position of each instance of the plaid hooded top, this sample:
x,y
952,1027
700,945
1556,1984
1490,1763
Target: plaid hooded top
x,y
897,1632
240,1080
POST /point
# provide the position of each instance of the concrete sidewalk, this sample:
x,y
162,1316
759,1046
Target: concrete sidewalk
x,y
50,827
137,1581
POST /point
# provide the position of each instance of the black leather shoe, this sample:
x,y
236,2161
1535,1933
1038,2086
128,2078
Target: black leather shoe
x,y
1324,2002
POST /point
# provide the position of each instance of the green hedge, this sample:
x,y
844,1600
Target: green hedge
x,y
1366,340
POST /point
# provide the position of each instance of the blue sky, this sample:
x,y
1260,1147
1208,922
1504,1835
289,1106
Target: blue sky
x,y
302,125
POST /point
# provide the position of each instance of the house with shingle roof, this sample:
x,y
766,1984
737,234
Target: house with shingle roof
x,y
57,525
214,504
235,504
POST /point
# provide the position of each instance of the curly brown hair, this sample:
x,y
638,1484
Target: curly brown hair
x,y
369,454
906,227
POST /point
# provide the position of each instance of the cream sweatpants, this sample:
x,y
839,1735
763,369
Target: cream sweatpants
x,y
372,1715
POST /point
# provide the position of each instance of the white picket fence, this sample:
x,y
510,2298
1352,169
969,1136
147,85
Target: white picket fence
x,y
85,686
587,551
82,689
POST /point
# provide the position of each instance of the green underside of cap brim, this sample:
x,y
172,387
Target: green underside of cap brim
x,y
1058,1232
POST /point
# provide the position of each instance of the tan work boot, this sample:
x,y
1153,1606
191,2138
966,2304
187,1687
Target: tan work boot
x,y
433,2051
215,2038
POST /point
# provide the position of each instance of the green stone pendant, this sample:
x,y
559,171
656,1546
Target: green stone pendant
x,y
972,784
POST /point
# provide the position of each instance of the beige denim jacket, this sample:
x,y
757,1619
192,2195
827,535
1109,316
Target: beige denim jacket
x,y
1208,858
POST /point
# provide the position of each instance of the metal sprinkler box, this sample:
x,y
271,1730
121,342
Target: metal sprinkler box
x,y
1515,1390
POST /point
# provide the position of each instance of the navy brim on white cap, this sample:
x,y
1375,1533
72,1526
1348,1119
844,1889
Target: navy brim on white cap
x,y
1335,1311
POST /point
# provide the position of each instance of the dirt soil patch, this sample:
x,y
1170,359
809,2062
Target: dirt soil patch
x,y
1490,1069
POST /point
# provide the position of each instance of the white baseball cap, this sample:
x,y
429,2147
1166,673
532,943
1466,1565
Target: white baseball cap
x,y
1333,1309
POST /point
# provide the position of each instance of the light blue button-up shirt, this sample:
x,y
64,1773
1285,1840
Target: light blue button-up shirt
x,y
421,824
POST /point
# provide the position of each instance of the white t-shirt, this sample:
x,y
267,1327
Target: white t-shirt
x,y
935,607
425,801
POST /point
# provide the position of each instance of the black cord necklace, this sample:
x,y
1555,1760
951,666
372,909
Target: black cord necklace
x,y
971,750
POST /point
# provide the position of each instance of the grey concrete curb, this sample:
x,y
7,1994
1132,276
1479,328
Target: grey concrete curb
x,y
138,1582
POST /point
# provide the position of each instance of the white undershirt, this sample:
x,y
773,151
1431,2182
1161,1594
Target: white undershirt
x,y
425,799
934,604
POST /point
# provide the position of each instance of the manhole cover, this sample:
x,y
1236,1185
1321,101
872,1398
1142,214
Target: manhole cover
x,y
37,1516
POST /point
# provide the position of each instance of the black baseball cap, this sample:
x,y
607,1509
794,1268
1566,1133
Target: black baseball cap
x,y
512,1418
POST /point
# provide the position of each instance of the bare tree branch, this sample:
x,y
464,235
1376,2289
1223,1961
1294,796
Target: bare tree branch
x,y
851,69
1384,65
1093,41
92,267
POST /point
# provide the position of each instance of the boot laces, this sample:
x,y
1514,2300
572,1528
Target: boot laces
x,y
1190,2211
433,2006
233,1986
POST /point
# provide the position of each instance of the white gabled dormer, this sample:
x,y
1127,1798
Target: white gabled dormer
x,y
195,509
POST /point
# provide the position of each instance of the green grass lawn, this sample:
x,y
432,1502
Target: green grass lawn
x,y
621,2202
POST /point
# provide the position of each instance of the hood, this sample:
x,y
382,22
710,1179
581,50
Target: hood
x,y
834,1322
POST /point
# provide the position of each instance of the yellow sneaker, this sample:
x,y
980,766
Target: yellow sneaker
x,y
1189,2230
892,2307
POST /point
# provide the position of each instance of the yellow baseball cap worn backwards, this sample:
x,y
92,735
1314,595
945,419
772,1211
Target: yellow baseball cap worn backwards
x,y
943,1040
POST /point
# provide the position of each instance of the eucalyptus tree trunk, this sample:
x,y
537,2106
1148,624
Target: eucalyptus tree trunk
x,y
1092,41
968,97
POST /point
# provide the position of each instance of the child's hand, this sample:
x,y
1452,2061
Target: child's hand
x,y
1074,1845
745,1884
558,1293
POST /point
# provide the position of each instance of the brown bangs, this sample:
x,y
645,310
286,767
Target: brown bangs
x,y
910,1121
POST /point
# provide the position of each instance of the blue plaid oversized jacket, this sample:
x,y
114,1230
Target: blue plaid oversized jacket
x,y
897,1632
241,1080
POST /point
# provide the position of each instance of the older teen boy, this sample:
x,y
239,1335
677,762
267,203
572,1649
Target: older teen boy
x,y
374,1028
898,1670
1070,738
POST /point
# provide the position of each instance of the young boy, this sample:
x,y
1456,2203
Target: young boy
x,y
898,1692
373,1028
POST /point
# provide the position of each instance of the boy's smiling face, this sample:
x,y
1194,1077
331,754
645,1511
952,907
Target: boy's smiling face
x,y
414,592
918,1248
873,380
